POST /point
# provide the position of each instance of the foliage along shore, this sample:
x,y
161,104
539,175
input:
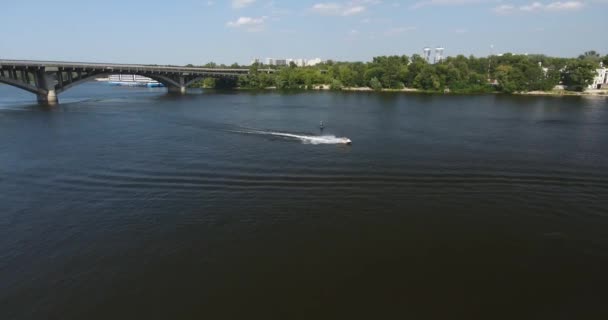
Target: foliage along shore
x,y
508,73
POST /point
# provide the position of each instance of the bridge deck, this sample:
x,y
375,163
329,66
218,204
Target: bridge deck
x,y
109,67
47,79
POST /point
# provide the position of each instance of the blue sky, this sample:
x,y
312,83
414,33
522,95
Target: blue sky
x,y
226,31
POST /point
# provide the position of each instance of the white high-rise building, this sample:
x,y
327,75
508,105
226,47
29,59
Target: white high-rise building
x,y
314,62
427,54
439,54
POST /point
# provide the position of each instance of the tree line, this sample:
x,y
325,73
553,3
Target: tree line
x,y
508,73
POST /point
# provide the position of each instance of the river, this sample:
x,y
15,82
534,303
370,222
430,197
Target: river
x,y
127,203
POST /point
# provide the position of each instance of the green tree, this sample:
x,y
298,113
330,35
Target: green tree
x,y
373,72
427,79
336,85
359,69
265,80
510,79
225,83
209,83
578,74
550,79
346,76
375,84
414,68
591,56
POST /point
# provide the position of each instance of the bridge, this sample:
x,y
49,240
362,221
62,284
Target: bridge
x,y
47,79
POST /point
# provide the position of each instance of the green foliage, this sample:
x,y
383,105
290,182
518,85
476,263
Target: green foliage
x,y
510,79
428,79
591,56
578,74
208,83
336,85
460,74
225,83
375,84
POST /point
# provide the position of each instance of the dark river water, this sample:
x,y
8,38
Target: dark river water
x,y
124,203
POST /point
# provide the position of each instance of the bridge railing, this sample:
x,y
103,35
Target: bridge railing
x,y
119,66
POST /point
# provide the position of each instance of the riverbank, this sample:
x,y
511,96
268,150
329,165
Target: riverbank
x,y
326,87
593,92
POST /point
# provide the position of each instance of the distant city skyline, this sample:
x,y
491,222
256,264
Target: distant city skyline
x,y
228,31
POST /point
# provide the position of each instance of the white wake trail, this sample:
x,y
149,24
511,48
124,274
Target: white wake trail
x,y
308,139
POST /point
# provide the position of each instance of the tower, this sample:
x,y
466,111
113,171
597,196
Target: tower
x,y
427,54
439,54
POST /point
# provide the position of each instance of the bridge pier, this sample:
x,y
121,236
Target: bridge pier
x,y
48,98
177,90
180,88
46,88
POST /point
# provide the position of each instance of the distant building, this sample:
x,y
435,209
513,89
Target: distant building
x,y
427,54
287,61
600,80
439,54
314,62
256,60
544,69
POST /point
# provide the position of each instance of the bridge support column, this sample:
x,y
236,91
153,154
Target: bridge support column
x,y
46,88
48,98
178,90
181,89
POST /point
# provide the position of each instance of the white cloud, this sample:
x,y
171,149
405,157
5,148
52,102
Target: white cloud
x,y
347,9
539,7
568,5
504,9
248,23
238,4
353,10
327,8
425,3
534,6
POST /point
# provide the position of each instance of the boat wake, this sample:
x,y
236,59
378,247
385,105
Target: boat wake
x,y
307,139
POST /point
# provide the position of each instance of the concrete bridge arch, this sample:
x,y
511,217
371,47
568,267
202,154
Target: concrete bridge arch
x,y
48,79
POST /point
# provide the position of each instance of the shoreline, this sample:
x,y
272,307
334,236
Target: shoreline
x,y
590,92
554,93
